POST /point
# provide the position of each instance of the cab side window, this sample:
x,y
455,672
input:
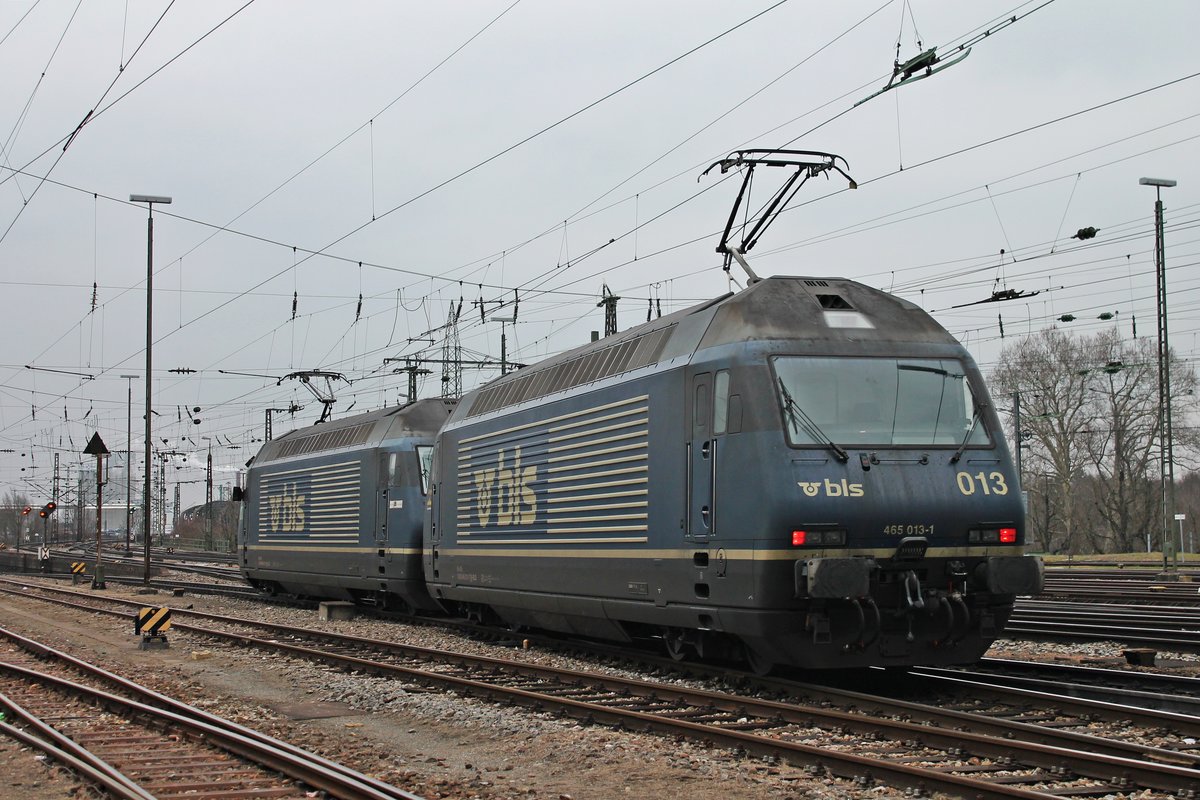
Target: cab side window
x,y
721,402
425,462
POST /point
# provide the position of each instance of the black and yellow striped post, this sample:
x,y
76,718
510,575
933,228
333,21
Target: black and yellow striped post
x,y
78,568
152,623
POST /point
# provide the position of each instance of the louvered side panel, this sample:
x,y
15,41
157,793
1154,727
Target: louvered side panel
x,y
577,478
313,505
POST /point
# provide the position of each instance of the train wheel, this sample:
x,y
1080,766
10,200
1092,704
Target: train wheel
x,y
755,662
677,647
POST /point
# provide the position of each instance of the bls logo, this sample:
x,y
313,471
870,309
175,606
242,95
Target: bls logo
x,y
841,489
286,510
509,491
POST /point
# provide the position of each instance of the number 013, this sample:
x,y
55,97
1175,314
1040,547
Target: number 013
x,y
984,483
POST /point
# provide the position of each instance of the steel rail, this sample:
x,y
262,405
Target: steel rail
x,y
1181,641
1157,615
1163,681
1151,690
1187,724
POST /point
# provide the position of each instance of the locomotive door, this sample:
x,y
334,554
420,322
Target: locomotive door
x,y
387,477
714,412
381,527
432,536
701,455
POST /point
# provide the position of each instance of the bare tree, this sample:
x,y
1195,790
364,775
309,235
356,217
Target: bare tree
x,y
1090,414
1123,443
1050,370
10,515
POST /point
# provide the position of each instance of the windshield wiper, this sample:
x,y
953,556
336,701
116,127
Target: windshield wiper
x,y
802,421
971,430
934,370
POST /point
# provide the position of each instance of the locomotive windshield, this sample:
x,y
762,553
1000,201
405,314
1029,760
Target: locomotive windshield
x,y
877,401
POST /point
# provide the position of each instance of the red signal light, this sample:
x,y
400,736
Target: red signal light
x,y
1008,535
798,538
43,513
51,506
25,512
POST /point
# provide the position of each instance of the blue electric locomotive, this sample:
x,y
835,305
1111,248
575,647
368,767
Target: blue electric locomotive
x,y
335,510
807,472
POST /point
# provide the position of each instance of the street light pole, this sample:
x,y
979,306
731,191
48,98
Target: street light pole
x,y
1164,376
128,455
149,200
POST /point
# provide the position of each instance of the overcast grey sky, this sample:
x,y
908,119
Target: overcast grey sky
x,y
416,154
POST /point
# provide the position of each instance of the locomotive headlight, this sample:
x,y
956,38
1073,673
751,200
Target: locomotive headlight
x,y
819,538
992,536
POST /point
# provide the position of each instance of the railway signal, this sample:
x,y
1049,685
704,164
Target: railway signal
x,y
96,447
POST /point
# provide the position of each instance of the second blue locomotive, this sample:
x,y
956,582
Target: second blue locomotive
x,y
335,510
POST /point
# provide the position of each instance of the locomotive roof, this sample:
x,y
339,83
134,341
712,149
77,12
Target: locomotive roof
x,y
831,310
827,309
421,418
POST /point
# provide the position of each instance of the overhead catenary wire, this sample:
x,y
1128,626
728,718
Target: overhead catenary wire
x,y
530,137
6,148
1067,116
991,141
94,113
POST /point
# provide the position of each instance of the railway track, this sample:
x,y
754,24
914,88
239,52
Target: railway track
x,y
1187,570
136,743
1133,612
172,585
1165,627
214,565
1177,694
1127,586
867,738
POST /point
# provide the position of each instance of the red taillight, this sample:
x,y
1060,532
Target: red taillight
x,y
798,538
1008,535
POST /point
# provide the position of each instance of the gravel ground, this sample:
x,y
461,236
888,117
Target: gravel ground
x,y
435,745
30,776
1109,654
